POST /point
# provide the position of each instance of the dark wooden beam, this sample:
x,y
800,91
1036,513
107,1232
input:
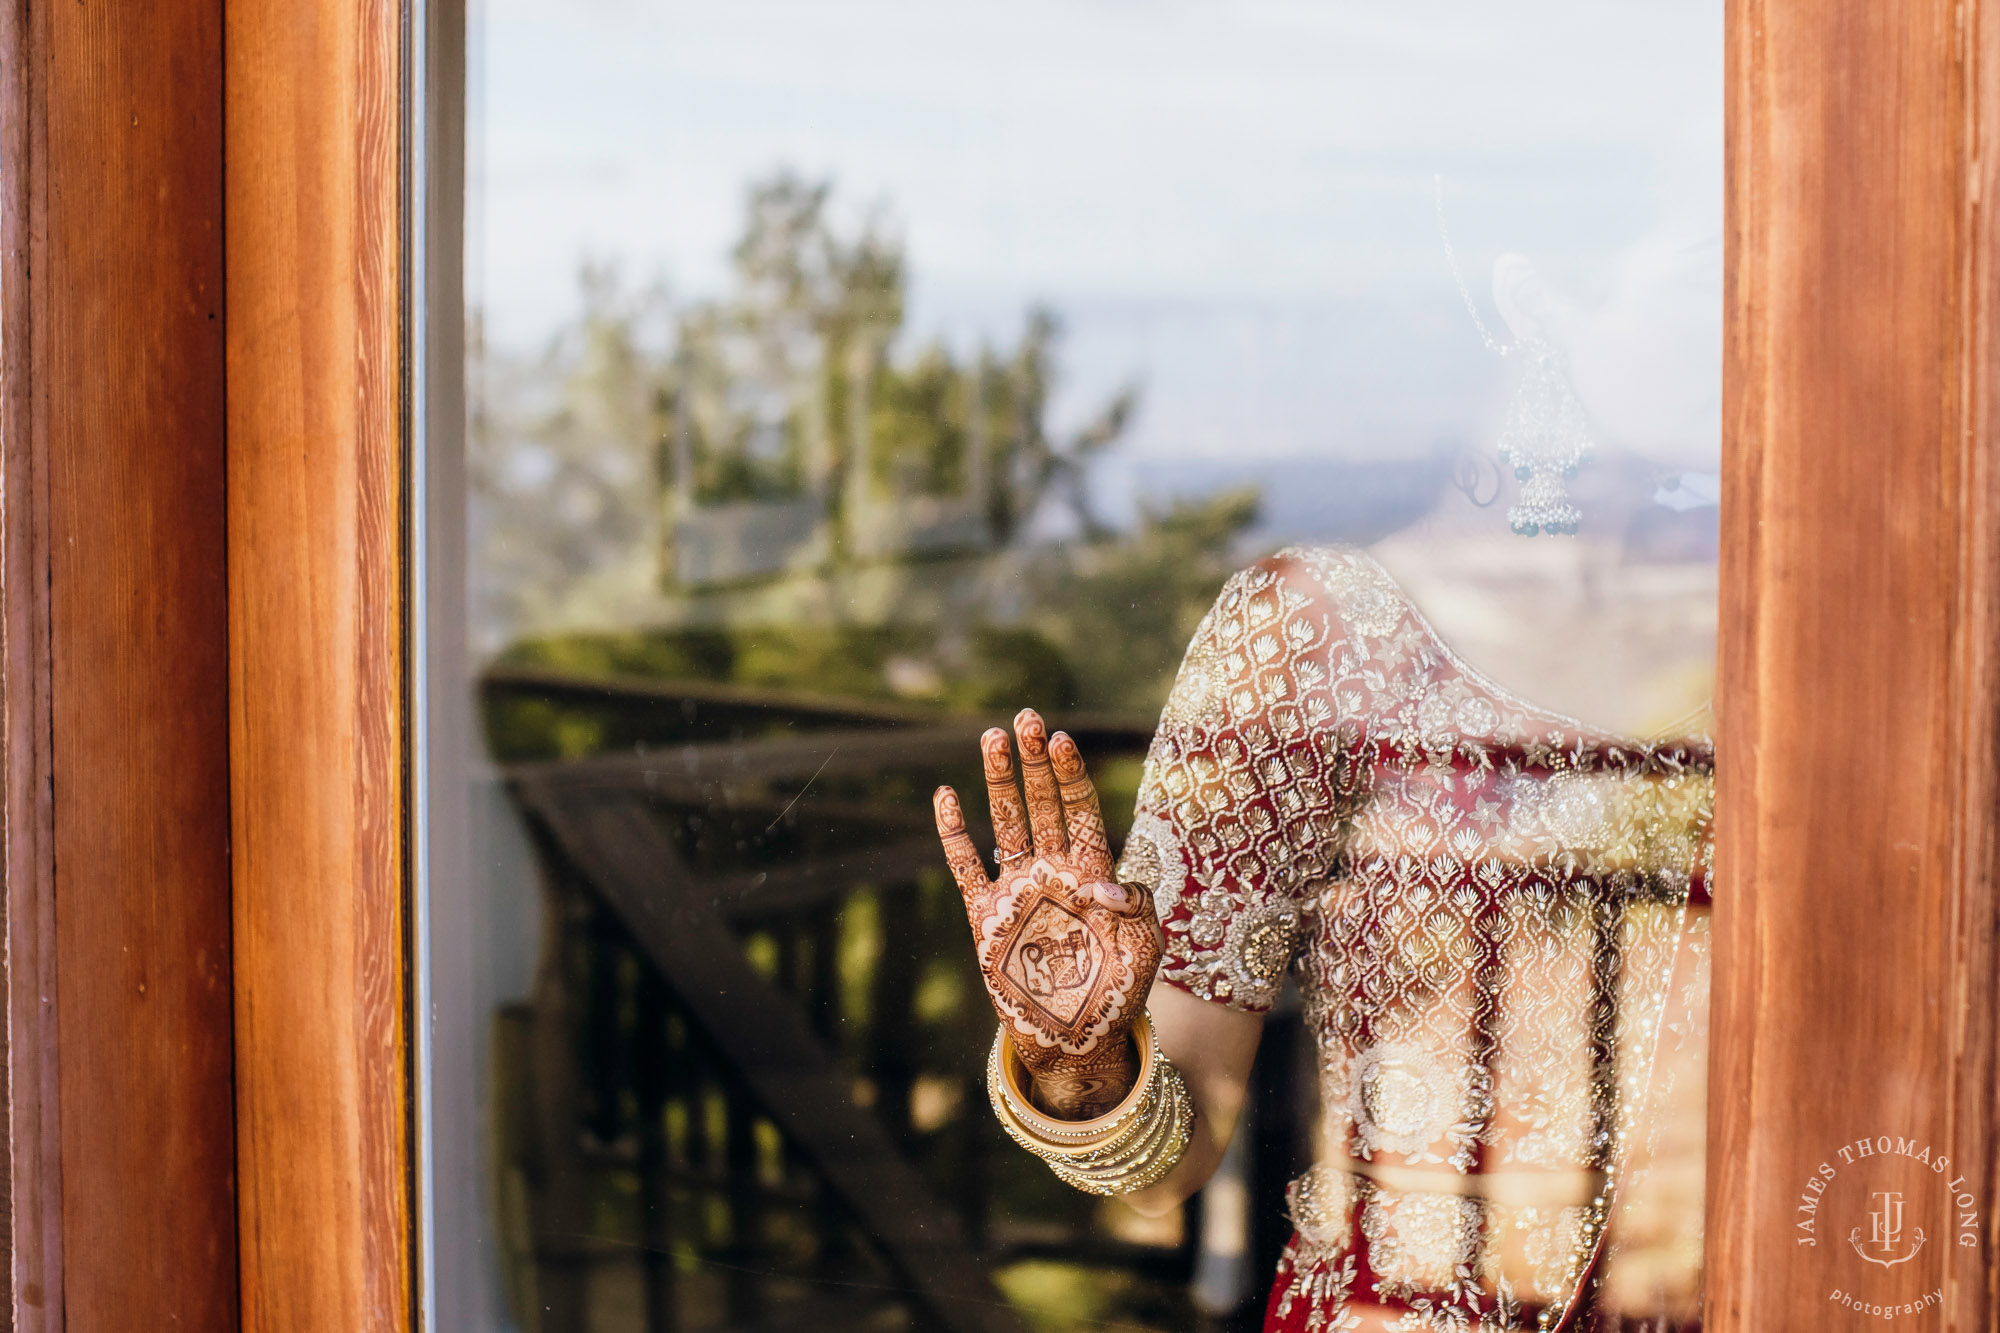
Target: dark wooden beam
x,y
620,849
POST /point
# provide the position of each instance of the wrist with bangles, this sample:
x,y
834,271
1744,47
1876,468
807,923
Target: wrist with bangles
x,y
1132,1146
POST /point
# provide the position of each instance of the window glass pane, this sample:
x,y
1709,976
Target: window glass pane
x,y
1312,411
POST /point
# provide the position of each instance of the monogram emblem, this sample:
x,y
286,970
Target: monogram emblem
x,y
1885,1234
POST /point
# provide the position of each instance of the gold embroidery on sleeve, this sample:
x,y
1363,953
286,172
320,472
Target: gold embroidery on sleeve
x,y
1483,903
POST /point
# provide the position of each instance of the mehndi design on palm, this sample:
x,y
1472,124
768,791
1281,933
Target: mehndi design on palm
x,y
1067,953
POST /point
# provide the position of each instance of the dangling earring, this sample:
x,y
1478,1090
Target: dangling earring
x,y
1546,438
1545,441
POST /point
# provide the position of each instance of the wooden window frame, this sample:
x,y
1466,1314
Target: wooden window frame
x,y
1859,683
205,424
202,425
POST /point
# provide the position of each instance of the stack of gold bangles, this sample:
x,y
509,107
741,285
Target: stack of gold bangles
x,y
1131,1146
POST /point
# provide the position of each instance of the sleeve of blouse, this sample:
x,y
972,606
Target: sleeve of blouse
x,y
1248,784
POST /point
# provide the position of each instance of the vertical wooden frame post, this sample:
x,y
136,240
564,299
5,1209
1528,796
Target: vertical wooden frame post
x,y
1856,990
118,1052
317,745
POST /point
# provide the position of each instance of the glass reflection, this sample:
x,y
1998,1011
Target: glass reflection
x,y
842,378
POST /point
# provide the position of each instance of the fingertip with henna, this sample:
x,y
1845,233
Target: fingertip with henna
x,y
1068,760
1032,732
998,754
1133,900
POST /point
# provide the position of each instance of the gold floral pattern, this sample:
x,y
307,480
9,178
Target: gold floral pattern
x,y
1482,903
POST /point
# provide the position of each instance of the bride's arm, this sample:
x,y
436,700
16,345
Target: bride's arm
x,y
1212,1045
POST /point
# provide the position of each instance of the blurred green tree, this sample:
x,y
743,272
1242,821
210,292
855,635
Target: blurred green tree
x,y
766,488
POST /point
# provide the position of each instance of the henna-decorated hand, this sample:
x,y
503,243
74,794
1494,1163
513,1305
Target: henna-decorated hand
x,y
1067,952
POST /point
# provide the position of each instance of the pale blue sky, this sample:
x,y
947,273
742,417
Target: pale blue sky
x,y
1231,203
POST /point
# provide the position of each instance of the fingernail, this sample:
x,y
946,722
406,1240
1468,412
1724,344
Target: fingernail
x,y
1114,896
